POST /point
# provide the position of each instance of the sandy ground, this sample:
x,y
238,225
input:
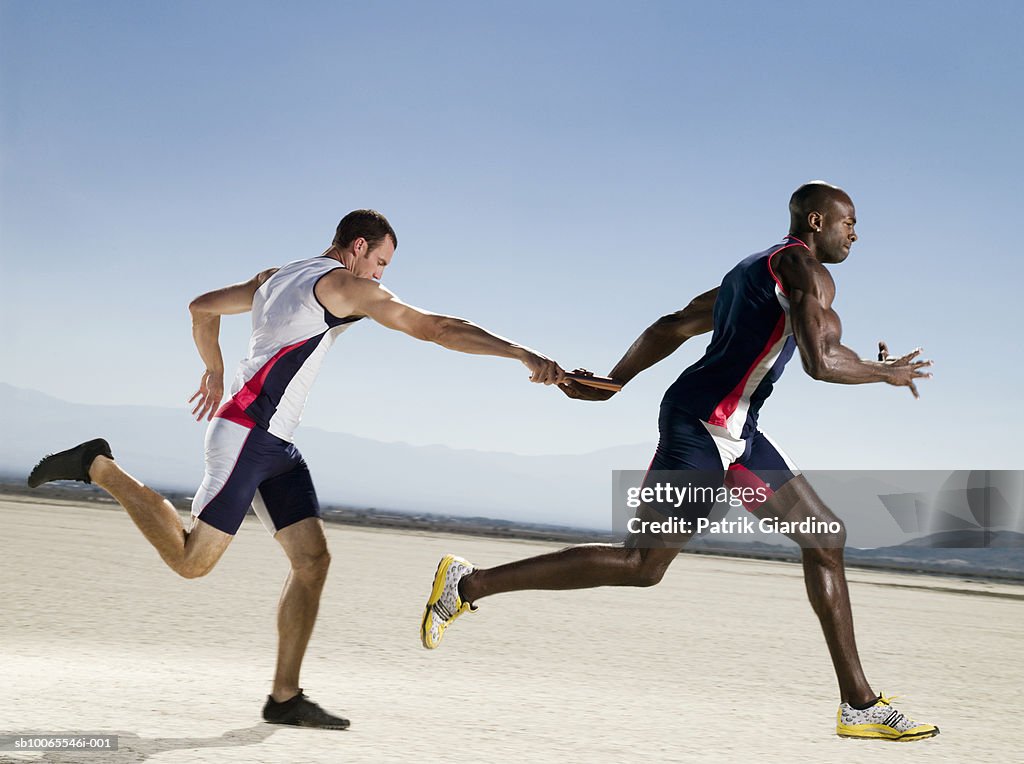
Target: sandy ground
x,y
722,662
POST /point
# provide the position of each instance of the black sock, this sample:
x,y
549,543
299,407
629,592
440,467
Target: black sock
x,y
866,706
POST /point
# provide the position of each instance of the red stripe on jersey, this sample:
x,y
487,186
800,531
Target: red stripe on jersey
x,y
252,389
728,405
234,413
773,254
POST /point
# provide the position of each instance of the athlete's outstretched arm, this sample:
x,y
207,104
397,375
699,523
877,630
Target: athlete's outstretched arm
x,y
343,294
662,338
818,332
657,342
206,311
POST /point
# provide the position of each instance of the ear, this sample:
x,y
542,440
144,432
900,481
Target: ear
x,y
815,220
359,247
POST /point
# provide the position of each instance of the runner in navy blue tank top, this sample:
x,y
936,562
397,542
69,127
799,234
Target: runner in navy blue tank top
x,y
751,344
766,307
709,415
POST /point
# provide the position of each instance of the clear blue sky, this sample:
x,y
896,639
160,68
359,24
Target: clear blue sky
x,y
561,173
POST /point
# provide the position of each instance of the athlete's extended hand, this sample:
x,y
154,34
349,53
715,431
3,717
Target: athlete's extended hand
x,y
543,370
210,392
581,392
905,368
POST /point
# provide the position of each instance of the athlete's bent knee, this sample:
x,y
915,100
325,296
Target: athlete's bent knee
x,y
835,537
829,534
312,567
190,569
649,576
645,571
825,549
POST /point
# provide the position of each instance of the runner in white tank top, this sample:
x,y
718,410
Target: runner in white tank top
x,y
297,312
291,333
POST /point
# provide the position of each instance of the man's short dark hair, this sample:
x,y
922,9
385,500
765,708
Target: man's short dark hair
x,y
814,196
365,224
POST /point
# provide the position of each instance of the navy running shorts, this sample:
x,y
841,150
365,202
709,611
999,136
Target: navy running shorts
x,y
247,466
694,454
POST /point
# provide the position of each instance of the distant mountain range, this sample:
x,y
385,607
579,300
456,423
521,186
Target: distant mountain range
x,y
164,448
961,554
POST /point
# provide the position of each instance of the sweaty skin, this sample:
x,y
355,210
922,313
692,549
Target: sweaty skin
x,y
823,218
811,290
344,294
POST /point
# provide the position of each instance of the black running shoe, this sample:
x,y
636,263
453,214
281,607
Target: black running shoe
x,y
72,464
300,711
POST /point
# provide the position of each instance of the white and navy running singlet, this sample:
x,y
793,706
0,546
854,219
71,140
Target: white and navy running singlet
x,y
708,419
250,459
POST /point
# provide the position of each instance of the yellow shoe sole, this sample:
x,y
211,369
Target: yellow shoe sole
x,y
435,594
881,732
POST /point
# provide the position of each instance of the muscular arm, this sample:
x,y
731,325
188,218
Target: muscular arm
x,y
343,294
206,311
657,342
818,331
664,336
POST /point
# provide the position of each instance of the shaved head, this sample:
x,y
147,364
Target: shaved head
x,y
815,196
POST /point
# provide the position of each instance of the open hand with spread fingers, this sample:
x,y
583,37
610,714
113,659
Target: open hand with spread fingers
x,y
905,369
208,397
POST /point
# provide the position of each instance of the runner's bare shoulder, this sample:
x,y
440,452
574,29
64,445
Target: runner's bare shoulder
x,y
347,295
799,272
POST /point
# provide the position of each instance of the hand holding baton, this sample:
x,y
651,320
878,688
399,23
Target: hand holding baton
x,y
592,380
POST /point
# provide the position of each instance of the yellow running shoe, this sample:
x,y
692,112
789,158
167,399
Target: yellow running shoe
x,y
445,604
880,722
